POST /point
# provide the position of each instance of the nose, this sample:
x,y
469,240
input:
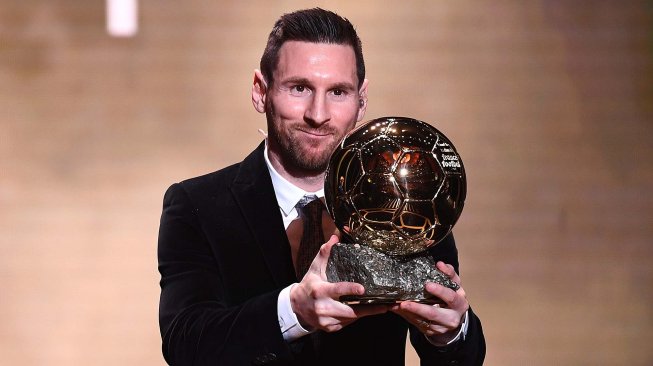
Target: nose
x,y
317,113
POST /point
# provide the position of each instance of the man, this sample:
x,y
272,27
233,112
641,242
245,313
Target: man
x,y
228,245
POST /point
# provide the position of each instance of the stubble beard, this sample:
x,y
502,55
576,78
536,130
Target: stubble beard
x,y
300,157
297,156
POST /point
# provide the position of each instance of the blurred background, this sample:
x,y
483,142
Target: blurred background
x,y
550,104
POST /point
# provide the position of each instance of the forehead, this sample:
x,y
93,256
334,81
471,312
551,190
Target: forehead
x,y
318,60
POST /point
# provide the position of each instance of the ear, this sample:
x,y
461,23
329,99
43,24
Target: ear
x,y
362,100
259,91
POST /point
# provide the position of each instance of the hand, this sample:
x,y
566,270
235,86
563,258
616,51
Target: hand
x,y
438,322
315,300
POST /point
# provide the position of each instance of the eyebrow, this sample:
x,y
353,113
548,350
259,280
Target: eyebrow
x,y
345,86
305,81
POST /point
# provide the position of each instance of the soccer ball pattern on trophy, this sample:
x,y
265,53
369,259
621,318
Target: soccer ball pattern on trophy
x,y
395,184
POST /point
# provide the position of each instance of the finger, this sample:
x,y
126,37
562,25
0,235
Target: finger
x,y
345,288
333,315
448,270
329,310
322,256
413,311
431,328
325,249
424,324
430,318
452,299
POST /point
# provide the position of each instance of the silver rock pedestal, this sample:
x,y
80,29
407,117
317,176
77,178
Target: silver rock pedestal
x,y
386,279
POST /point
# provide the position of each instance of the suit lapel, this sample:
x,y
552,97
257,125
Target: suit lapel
x,y
254,194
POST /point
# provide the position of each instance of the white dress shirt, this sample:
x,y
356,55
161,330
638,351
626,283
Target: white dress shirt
x,y
288,195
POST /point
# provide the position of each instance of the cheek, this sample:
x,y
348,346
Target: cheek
x,y
347,116
289,108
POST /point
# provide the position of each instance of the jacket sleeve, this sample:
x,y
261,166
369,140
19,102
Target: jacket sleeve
x,y
197,326
471,350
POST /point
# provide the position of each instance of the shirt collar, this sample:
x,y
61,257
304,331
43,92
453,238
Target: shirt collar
x,y
287,193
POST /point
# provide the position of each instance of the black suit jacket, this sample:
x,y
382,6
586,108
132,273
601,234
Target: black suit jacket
x,y
224,257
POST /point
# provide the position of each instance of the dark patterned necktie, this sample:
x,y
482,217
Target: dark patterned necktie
x,y
310,211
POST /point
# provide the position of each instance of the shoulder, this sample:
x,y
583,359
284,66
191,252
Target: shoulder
x,y
221,180
211,181
203,187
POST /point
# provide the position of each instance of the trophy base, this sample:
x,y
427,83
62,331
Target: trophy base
x,y
381,300
387,279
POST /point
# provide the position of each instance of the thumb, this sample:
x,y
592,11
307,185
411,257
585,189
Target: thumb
x,y
325,252
325,249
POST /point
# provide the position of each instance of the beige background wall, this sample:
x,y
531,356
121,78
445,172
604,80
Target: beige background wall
x,y
550,104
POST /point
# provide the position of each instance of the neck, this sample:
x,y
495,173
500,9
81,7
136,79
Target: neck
x,y
306,180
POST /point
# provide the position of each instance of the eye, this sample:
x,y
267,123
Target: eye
x,y
298,90
339,93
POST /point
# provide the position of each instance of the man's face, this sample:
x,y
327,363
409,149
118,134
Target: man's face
x,y
313,102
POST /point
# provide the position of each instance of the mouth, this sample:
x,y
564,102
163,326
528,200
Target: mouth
x,y
316,134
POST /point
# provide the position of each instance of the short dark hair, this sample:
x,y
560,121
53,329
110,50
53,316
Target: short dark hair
x,y
311,25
